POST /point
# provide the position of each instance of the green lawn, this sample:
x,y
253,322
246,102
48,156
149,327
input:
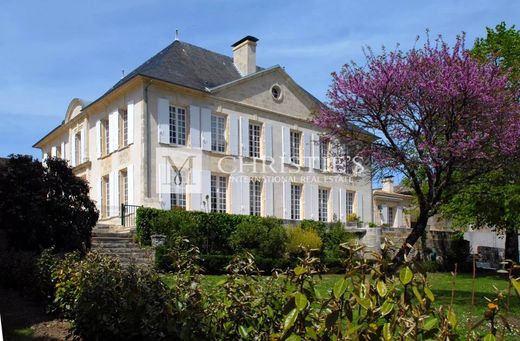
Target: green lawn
x,y
441,284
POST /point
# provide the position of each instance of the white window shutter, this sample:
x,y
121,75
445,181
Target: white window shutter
x,y
342,205
163,120
236,196
113,129
194,188
359,211
307,196
83,145
53,151
287,200
307,149
111,200
165,185
130,179
205,178
63,155
115,199
286,144
73,150
205,123
99,186
336,204
268,140
315,151
245,195
244,136
233,134
98,139
268,198
130,120
195,126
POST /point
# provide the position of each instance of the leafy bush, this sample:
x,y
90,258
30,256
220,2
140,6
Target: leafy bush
x,y
45,207
333,237
264,238
298,238
17,270
215,264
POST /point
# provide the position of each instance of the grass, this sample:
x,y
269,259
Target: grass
x,y
441,284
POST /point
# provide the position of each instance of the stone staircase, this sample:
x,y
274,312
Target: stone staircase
x,y
119,243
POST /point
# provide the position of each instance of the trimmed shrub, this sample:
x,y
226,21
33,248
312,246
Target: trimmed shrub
x,y
263,238
332,238
298,238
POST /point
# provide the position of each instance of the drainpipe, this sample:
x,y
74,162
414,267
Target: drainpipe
x,y
148,142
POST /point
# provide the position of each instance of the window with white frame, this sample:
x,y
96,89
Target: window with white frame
x,y
77,146
390,216
255,197
324,150
123,186
218,129
350,202
296,195
177,125
123,127
323,204
218,193
295,146
178,189
254,139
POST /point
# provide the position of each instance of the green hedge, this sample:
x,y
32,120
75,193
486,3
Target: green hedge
x,y
209,231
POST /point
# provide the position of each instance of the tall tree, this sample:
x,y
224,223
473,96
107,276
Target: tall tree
x,y
436,111
494,199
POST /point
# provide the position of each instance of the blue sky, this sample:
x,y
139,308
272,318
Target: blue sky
x,y
53,51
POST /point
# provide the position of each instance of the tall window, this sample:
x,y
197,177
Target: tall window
x,y
218,128
178,189
350,202
105,199
123,127
77,146
218,193
123,186
296,194
254,139
105,138
295,146
177,125
324,149
390,216
255,197
323,207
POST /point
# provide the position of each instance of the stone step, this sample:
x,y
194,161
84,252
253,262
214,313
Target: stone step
x,y
103,234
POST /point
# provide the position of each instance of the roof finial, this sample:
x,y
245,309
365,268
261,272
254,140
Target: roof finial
x,y
177,34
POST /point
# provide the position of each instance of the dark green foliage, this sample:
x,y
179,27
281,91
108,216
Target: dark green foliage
x,y
263,238
332,238
215,264
43,207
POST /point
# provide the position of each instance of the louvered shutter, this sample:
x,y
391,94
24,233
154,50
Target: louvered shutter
x,y
165,186
307,196
130,121
83,145
287,200
315,151
73,150
195,126
233,134
268,140
314,198
163,120
245,194
99,186
130,180
115,202
63,155
244,136
307,149
113,129
286,144
98,139
335,204
342,205
269,198
236,196
359,212
205,123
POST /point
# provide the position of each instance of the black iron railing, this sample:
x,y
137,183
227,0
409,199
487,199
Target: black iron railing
x,y
128,215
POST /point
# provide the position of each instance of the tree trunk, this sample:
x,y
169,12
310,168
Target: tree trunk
x,y
412,238
511,251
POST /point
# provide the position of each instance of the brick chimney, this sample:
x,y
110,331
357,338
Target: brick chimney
x,y
244,55
388,184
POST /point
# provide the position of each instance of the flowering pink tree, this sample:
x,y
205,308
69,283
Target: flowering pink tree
x,y
441,117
